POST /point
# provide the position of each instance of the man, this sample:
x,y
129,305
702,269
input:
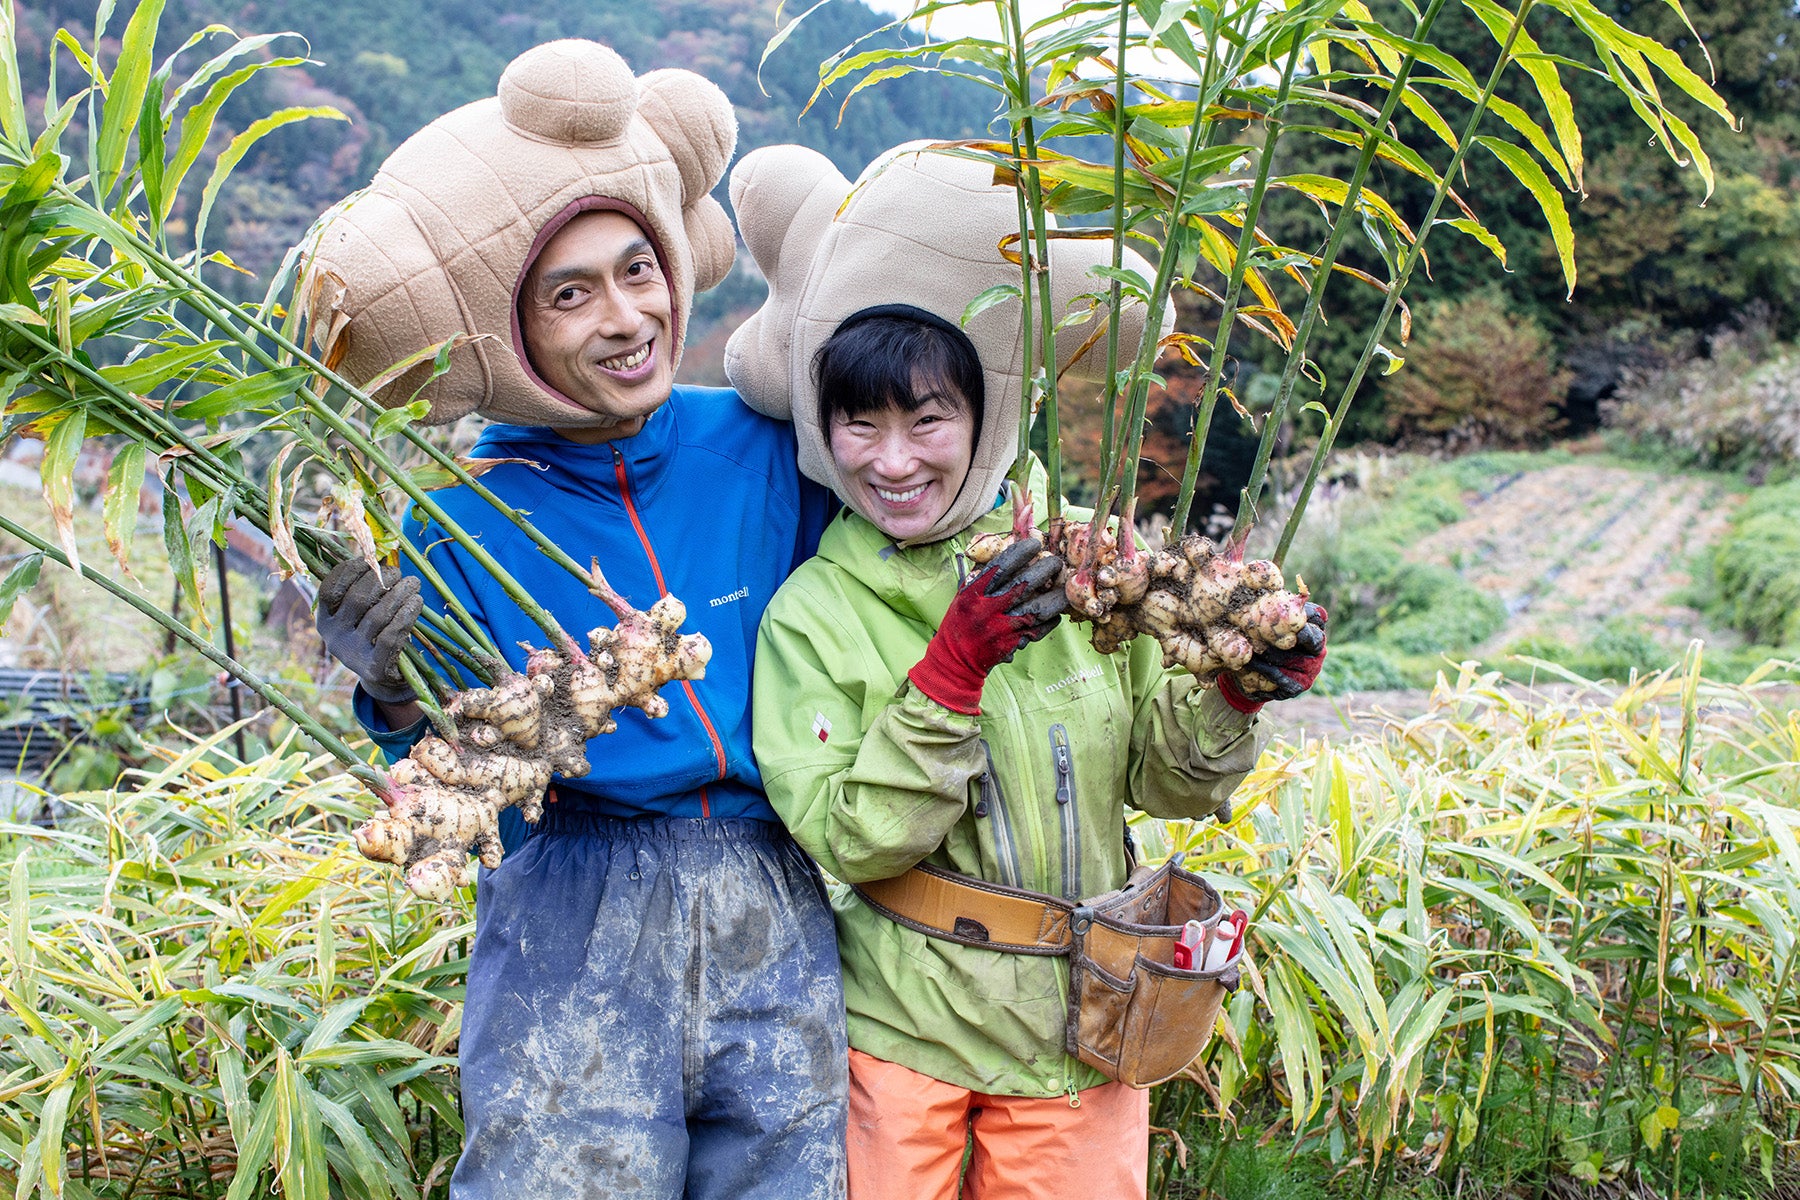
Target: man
x,y
653,1004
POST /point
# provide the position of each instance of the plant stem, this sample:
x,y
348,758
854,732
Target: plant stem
x,y
1215,370
1046,305
1022,464
288,708
1139,384
1413,252
219,309
1114,296
1762,1050
224,478
1347,216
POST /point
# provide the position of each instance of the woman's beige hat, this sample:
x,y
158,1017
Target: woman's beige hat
x,y
921,228
439,243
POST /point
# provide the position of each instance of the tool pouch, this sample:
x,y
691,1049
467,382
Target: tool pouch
x,y
1133,1014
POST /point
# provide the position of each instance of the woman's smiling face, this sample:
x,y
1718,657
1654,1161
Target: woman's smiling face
x,y
906,467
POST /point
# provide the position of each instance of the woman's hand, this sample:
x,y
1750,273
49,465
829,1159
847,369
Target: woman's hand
x,y
1014,600
1279,674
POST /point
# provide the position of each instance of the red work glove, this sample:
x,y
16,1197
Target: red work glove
x,y
1014,600
1290,671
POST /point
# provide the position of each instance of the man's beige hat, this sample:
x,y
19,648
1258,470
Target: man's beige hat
x,y
440,242
919,228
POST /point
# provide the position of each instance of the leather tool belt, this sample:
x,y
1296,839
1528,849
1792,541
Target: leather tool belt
x,y
1133,1015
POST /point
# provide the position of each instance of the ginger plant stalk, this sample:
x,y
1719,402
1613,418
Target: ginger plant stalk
x,y
1246,244
1038,254
1413,253
221,309
1347,216
196,294
154,428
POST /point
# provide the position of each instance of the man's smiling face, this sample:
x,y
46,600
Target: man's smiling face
x,y
597,321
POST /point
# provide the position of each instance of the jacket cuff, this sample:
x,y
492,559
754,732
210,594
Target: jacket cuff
x,y
1234,696
1221,723
394,743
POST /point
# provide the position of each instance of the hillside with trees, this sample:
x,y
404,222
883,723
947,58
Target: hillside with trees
x,y
391,66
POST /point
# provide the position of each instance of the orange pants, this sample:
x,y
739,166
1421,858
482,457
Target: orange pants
x,y
908,1132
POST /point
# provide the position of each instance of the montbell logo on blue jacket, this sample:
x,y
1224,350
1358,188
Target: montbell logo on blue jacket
x,y
705,503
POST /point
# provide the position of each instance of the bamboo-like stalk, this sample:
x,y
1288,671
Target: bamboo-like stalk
x,y
1762,1049
1139,383
1021,472
1347,217
222,307
1033,191
1115,296
1215,369
213,306
1329,434
226,479
331,743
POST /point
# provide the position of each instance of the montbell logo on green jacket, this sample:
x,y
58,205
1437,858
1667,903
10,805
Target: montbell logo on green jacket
x,y
872,777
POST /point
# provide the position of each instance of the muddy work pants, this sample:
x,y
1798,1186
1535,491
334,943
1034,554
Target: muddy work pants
x,y
654,1011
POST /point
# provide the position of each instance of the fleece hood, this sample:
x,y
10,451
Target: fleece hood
x,y
439,243
919,228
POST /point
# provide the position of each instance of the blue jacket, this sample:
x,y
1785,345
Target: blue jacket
x,y
706,502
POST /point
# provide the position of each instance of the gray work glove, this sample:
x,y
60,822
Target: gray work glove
x,y
365,620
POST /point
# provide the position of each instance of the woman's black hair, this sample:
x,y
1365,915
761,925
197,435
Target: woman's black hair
x,y
874,357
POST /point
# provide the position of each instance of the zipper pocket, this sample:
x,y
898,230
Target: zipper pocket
x,y
992,805
1065,802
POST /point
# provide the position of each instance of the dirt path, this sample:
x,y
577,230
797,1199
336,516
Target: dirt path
x,y
1565,549
1570,546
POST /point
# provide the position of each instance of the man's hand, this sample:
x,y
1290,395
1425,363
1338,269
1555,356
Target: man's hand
x,y
1279,674
1014,600
365,621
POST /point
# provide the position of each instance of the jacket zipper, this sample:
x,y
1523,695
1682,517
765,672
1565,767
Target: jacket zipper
x,y
993,805
662,589
1065,801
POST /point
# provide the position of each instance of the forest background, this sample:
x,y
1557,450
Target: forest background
x,y
1661,273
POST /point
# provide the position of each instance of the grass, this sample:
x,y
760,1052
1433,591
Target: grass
x,y
1500,947
1600,594
208,993
1521,942
1756,567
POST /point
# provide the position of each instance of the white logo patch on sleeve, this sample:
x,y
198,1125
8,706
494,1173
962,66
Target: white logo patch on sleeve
x,y
821,726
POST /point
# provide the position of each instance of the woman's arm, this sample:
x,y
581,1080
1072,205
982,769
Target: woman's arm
x,y
868,773
1189,748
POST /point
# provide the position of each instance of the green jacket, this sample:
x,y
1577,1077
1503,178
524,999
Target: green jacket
x,y
872,777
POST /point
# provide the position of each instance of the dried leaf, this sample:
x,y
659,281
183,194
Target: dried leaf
x,y
1180,1146
281,515
435,478
345,507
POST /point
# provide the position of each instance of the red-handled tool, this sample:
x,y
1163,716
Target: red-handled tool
x,y
1228,940
1192,935
1225,944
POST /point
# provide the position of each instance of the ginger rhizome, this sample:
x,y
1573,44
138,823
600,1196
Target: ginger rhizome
x,y
1209,609
511,738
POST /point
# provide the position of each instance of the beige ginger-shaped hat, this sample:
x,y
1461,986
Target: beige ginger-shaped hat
x,y
920,228
439,243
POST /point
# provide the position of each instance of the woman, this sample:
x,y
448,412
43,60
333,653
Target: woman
x,y
903,714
